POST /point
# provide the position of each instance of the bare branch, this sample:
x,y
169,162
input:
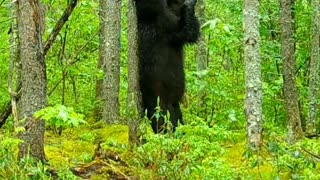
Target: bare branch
x,y
56,30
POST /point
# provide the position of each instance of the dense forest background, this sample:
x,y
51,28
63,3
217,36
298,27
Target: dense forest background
x,y
228,134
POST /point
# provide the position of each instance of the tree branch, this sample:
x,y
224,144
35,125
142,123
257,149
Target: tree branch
x,y
317,157
64,18
6,113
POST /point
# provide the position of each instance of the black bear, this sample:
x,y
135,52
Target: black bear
x,y
164,27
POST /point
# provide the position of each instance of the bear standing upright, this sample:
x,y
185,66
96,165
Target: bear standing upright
x,y
164,27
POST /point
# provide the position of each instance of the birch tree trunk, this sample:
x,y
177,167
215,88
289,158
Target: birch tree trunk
x,y
253,100
110,29
314,71
34,90
201,56
289,80
201,45
134,101
13,69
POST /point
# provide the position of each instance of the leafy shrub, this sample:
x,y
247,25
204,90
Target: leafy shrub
x,y
190,153
294,161
60,116
11,168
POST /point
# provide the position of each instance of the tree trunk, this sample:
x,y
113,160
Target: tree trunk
x,y
201,56
98,109
314,71
253,100
47,45
201,46
109,55
134,109
34,90
289,80
13,60
57,28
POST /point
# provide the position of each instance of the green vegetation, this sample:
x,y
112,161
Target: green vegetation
x,y
60,117
213,143
195,151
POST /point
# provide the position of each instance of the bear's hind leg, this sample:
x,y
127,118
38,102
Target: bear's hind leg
x,y
175,115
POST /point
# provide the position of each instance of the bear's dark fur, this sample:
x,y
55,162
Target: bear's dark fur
x,y
164,27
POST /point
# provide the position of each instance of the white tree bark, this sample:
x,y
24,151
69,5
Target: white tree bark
x,y
253,100
13,59
201,44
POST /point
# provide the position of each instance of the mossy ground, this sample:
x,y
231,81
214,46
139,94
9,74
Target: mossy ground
x,y
77,147
235,157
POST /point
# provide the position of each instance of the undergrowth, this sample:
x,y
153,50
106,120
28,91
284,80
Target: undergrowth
x,y
194,151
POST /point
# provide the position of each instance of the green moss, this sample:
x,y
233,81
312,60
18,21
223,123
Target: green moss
x,y
234,157
117,133
77,145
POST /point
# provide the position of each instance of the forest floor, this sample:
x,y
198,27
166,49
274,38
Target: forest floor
x,y
79,150
101,152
